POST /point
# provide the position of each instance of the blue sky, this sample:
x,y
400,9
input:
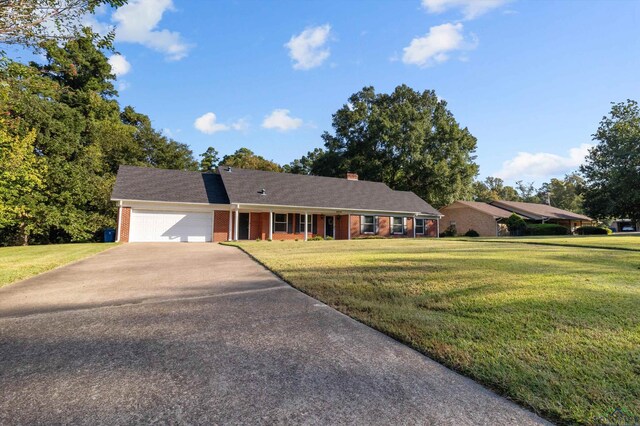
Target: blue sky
x,y
530,79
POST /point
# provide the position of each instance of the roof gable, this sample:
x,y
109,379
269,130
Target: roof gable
x,y
150,184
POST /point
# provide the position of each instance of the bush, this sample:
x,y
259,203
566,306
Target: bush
x,y
451,231
592,230
316,238
370,237
516,225
471,233
329,238
547,229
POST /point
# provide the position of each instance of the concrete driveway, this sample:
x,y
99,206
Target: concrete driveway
x,y
201,334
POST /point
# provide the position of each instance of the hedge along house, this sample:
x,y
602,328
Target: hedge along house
x,y
488,218
240,204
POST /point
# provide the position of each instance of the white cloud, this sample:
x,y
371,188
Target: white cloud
x,y
307,49
119,65
123,85
137,22
280,120
542,164
471,9
241,125
436,46
206,123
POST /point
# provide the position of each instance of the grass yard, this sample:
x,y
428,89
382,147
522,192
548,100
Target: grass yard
x,y
554,328
617,242
18,263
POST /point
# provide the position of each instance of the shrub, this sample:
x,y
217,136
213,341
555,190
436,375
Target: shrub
x,y
258,239
592,230
547,229
329,238
316,238
516,225
451,231
471,233
370,237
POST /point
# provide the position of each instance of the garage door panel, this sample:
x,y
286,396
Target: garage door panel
x,y
169,226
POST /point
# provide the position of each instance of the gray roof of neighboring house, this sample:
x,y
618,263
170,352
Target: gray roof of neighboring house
x,y
539,211
149,184
494,211
283,189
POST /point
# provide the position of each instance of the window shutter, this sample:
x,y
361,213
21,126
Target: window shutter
x,y
297,228
314,229
290,224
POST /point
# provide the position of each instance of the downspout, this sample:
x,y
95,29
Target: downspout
x,y
119,220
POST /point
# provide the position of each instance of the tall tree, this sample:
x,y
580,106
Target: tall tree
x,y
304,165
563,193
210,160
527,192
406,139
244,158
612,167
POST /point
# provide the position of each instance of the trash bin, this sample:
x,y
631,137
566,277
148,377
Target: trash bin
x,y
109,235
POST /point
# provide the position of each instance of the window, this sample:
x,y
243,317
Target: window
x,y
397,225
367,224
309,225
420,226
279,222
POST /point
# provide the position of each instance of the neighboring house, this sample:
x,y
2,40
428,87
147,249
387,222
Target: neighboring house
x,y
485,219
488,218
240,204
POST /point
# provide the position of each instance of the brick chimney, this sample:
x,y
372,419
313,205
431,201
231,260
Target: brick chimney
x,y
352,176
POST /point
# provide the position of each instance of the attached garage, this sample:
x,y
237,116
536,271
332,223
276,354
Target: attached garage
x,y
170,226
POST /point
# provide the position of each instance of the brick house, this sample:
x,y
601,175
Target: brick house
x,y
488,218
241,204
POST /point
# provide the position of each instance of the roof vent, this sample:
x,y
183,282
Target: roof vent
x,y
262,192
228,169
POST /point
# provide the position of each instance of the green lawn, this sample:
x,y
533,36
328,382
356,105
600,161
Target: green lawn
x,y
18,263
617,242
554,328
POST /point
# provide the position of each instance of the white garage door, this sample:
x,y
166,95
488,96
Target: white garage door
x,y
148,226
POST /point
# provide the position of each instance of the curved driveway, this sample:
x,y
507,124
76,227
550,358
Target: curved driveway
x,y
201,334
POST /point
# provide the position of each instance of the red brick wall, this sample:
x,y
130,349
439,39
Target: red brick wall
x,y
123,227
221,225
467,218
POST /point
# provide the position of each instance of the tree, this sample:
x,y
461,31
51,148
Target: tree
x,y
304,165
210,160
244,158
612,167
406,139
30,22
21,180
527,192
563,193
492,189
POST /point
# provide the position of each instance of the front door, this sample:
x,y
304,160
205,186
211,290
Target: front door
x,y
328,226
243,226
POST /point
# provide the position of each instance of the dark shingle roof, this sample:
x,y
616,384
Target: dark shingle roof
x,y
539,211
243,186
144,183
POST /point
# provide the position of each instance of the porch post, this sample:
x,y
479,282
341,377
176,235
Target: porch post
x,y
235,231
230,237
270,225
438,228
306,225
414,226
349,228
